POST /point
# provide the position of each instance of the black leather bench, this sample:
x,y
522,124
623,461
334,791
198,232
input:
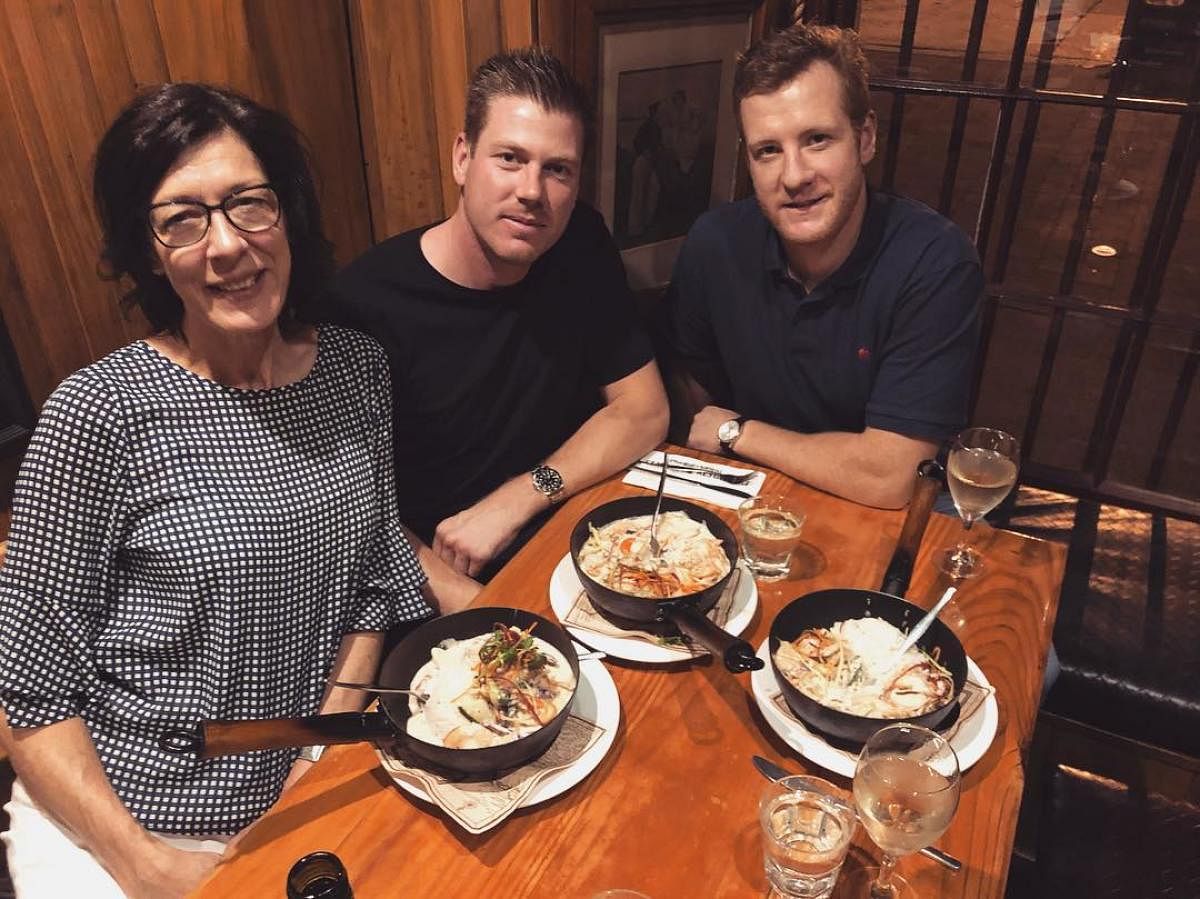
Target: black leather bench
x,y
1102,838
1128,628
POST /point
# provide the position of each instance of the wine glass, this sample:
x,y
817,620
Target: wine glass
x,y
981,471
906,788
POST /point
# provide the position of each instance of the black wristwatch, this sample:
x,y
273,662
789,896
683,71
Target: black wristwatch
x,y
547,482
729,432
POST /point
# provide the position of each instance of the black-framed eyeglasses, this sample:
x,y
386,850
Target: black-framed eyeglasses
x,y
180,224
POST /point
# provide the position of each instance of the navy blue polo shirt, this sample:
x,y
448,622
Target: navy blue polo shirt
x,y
887,341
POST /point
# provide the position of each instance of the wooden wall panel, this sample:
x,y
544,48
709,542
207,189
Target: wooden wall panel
x,y
516,22
294,57
412,62
62,316
448,50
66,68
396,114
304,63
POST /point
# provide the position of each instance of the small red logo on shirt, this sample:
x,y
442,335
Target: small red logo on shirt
x,y
863,354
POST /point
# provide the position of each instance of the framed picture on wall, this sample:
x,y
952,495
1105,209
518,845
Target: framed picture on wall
x,y
668,139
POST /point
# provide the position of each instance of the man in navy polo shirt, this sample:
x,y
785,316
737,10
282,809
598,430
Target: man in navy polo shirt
x,y
822,328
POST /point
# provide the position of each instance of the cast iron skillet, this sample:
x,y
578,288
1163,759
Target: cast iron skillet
x,y
686,612
825,607
213,738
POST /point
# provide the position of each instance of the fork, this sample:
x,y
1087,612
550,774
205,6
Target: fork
x,y
655,549
727,477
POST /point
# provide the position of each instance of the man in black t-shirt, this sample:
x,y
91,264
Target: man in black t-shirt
x,y
520,371
821,328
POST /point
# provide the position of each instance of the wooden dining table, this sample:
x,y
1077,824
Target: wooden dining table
x,y
671,810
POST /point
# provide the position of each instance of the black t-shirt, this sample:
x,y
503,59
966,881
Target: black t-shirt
x,y
487,383
887,341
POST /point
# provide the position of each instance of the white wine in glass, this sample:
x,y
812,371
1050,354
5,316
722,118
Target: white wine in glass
x,y
981,471
906,787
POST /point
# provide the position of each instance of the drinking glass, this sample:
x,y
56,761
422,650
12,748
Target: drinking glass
x,y
807,825
906,787
981,470
770,527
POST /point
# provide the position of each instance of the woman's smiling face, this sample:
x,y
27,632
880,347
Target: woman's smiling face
x,y
230,282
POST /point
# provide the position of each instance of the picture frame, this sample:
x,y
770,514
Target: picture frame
x,y
668,137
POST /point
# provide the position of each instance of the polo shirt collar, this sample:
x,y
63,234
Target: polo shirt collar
x,y
857,264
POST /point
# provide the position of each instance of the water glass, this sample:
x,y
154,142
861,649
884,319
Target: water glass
x,y
770,526
806,829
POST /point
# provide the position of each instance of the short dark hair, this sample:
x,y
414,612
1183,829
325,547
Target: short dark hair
x,y
147,138
770,64
532,72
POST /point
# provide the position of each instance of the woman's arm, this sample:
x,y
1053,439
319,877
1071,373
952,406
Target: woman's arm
x,y
59,768
357,662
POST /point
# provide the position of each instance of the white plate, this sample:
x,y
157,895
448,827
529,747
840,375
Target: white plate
x,y
565,587
596,700
970,742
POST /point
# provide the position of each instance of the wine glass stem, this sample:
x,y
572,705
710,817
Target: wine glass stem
x,y
882,887
962,549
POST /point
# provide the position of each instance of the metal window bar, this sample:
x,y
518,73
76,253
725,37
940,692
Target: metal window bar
x,y
1025,147
961,107
993,176
1162,233
1099,152
896,117
1156,254
1166,437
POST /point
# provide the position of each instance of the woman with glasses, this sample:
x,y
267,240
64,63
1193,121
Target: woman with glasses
x,y
204,525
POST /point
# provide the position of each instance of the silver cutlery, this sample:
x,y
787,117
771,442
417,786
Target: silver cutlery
x,y
771,771
711,471
655,548
707,485
923,625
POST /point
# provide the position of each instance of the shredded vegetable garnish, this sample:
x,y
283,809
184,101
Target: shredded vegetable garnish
x,y
488,690
853,667
618,556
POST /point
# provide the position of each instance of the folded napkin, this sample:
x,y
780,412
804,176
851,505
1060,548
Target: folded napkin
x,y
970,703
477,806
583,615
692,484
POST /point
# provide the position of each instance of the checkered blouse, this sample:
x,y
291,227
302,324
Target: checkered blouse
x,y
181,550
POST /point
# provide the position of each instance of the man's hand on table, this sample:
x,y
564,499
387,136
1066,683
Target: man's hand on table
x,y
703,433
469,540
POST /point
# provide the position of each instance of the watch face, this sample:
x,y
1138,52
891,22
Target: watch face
x,y
728,431
547,480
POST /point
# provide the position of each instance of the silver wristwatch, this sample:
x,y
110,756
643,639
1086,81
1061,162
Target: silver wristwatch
x,y
311,753
729,432
547,482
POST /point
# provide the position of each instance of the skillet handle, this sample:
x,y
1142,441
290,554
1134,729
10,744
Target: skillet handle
x,y
930,476
737,654
213,738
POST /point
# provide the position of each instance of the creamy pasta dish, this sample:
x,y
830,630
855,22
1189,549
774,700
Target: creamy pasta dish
x,y
853,667
488,690
618,556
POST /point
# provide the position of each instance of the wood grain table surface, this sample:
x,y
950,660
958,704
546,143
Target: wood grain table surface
x,y
671,811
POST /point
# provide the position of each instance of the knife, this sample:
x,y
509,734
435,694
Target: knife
x,y
771,771
720,488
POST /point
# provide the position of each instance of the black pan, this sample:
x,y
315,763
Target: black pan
x,y
213,738
687,613
826,607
